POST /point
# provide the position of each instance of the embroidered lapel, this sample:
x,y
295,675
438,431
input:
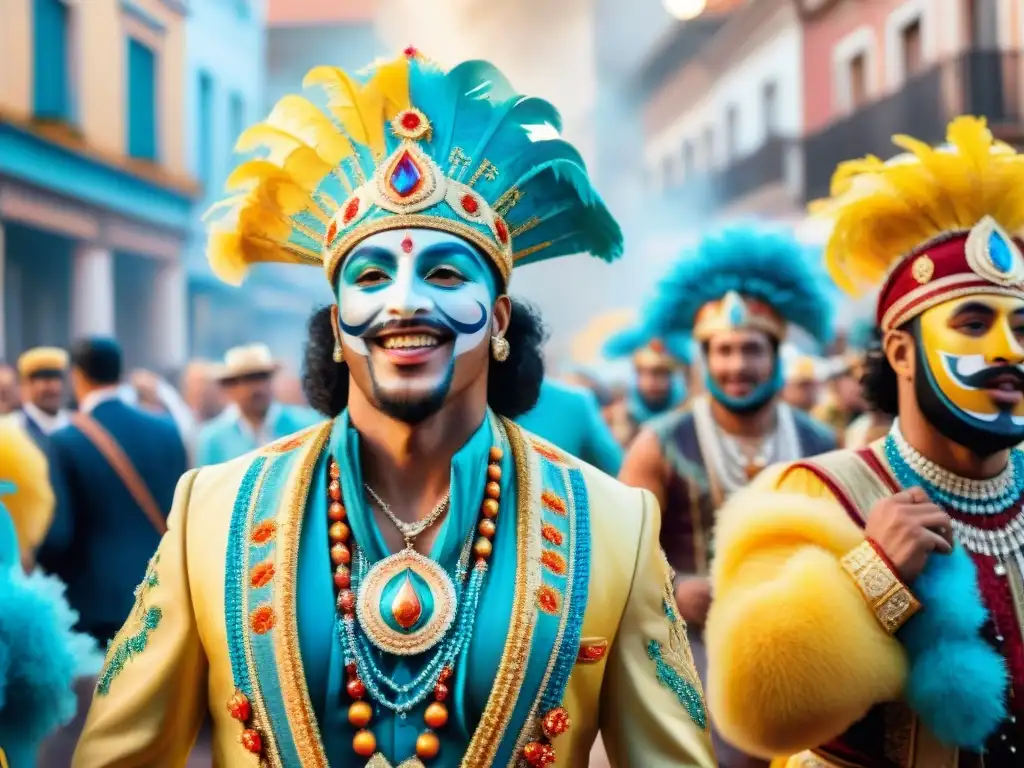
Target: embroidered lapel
x,y
272,702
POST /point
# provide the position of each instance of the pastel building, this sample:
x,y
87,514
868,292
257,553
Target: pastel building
x,y
96,190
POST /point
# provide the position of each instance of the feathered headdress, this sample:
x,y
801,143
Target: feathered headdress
x,y
406,144
937,221
743,277
668,350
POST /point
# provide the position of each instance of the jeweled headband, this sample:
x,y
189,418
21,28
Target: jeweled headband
x,y
931,225
406,144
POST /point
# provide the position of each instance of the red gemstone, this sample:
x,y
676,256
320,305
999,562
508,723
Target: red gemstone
x,y
355,688
499,225
410,121
446,675
410,52
539,754
351,209
351,669
440,692
332,231
407,244
469,204
239,707
251,741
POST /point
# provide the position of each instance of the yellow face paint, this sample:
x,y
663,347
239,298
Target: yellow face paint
x,y
972,349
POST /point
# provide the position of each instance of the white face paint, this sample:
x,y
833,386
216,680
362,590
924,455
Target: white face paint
x,y
419,275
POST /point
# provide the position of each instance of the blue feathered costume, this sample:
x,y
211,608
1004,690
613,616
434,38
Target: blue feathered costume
x,y
671,351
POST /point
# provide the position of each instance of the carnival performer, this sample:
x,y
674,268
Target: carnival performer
x,y
803,375
417,580
658,386
869,424
40,655
818,649
736,292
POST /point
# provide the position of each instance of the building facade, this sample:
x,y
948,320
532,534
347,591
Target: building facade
x,y
95,186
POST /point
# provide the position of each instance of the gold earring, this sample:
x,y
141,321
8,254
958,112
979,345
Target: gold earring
x,y
339,356
500,348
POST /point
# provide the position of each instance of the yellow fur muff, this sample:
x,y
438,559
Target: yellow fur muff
x,y
32,502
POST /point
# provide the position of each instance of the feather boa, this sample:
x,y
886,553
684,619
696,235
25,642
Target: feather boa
x,y
956,682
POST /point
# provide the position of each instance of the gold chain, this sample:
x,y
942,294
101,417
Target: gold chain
x,y
410,531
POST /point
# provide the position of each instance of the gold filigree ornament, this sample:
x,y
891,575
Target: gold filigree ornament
x,y
993,255
391,611
379,761
923,268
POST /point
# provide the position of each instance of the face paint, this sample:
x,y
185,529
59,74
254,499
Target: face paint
x,y
742,360
970,355
411,302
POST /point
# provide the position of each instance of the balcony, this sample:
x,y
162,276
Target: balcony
x,y
768,166
983,83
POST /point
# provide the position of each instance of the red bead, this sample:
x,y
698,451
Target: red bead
x,y
445,675
342,577
410,121
539,754
336,512
239,707
355,688
252,741
351,209
501,229
340,555
440,691
351,669
334,490
469,204
556,722
347,601
410,52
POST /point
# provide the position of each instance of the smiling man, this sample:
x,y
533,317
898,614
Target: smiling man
x,y
735,293
417,580
819,651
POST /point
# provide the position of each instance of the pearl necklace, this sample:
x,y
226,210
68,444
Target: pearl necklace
x,y
973,497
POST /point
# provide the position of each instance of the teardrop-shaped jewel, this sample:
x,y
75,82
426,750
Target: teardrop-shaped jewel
x,y
999,252
405,178
406,607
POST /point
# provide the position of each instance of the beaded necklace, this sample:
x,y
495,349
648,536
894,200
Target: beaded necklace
x,y
363,675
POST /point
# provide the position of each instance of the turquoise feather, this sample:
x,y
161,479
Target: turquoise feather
x,y
627,342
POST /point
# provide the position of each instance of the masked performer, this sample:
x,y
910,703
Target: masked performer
x,y
817,645
736,292
411,582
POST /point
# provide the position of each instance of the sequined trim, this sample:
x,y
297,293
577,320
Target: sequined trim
x,y
553,501
144,620
552,534
548,599
513,666
669,676
890,600
291,673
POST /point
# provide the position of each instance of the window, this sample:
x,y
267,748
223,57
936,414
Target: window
x,y
770,108
689,160
51,70
205,128
732,132
141,101
858,71
910,40
709,146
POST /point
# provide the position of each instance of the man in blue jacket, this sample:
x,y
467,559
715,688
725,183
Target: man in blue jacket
x,y
121,466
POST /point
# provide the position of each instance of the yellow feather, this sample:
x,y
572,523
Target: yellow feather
x,y
297,116
349,104
880,212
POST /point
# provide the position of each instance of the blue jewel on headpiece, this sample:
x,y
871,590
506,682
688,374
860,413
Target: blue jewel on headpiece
x,y
406,176
999,252
736,314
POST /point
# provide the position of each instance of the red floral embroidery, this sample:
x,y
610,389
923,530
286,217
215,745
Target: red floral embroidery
x,y
551,500
552,534
262,619
264,532
547,452
554,561
261,574
549,599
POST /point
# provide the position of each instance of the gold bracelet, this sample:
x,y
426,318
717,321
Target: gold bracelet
x,y
890,599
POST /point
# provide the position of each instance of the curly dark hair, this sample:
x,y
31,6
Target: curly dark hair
x,y
879,382
513,386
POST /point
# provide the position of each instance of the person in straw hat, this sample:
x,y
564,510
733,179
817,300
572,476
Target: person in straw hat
x,y
867,601
418,580
253,418
41,373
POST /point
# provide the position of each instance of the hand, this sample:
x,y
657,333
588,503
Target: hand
x,y
693,597
908,528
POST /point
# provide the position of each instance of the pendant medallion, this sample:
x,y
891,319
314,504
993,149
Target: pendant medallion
x,y
406,603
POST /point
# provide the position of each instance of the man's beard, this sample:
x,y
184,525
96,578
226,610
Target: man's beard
x,y
761,395
408,410
952,423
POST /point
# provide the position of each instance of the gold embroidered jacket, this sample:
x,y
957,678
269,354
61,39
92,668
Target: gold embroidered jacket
x,y
184,651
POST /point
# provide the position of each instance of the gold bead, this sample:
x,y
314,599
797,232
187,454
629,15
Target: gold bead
x,y
493,472
364,743
334,471
496,453
436,715
487,528
334,490
340,555
489,508
427,746
338,532
360,713
482,548
493,490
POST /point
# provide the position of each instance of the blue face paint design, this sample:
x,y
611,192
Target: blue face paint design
x,y
754,400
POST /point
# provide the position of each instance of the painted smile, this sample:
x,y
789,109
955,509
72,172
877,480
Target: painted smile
x,y
1003,384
